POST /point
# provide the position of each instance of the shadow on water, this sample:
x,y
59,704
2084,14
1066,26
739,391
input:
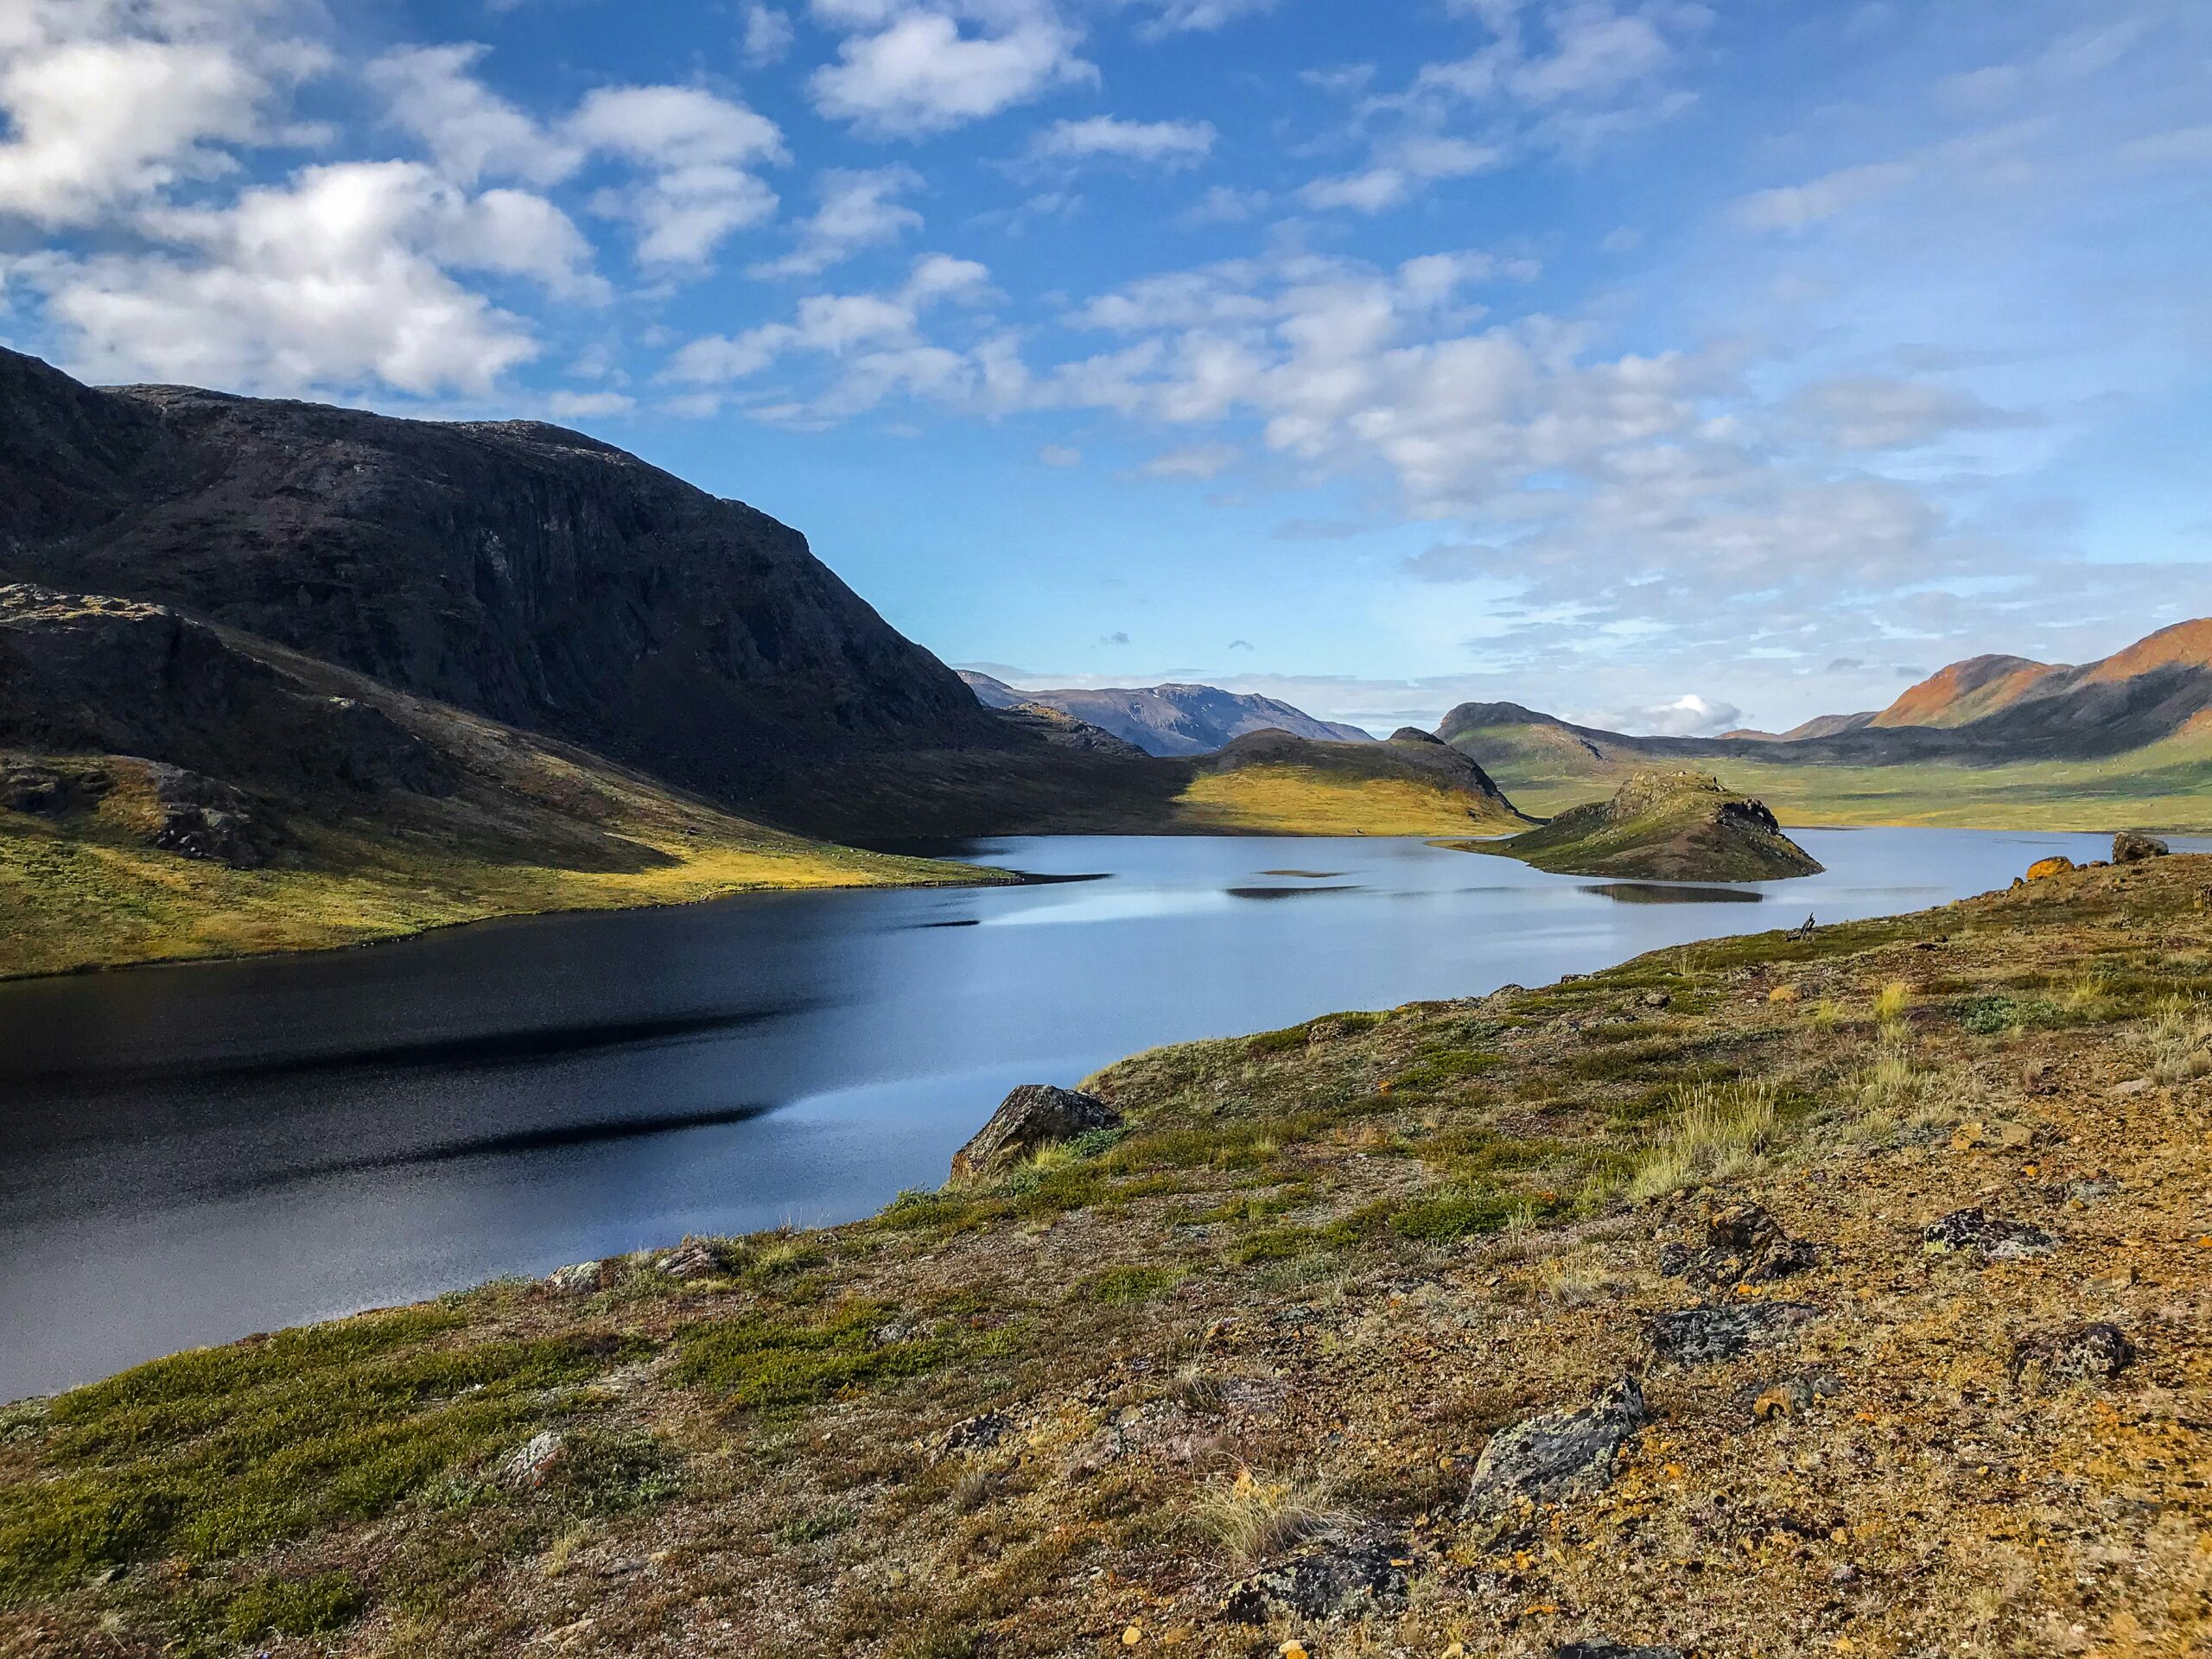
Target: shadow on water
x,y
476,1049
552,1138
1306,875
1285,893
1667,892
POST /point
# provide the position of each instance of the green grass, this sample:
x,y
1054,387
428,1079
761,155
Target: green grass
x,y
768,1360
223,1452
2167,785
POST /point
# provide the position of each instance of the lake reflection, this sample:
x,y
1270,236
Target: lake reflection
x,y
195,1153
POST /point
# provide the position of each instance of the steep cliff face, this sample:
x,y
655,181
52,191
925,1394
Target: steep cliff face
x,y
513,569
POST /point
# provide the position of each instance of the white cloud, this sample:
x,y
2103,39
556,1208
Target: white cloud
x,y
1162,143
97,120
697,149
469,130
1060,454
911,68
1874,412
857,211
1401,172
337,279
1688,715
876,338
1200,460
1793,207
587,406
767,36
1178,17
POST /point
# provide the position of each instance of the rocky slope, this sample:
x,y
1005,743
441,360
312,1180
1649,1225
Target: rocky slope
x,y
171,788
1842,1292
1663,826
1172,720
514,570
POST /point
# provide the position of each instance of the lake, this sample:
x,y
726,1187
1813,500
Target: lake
x,y
197,1151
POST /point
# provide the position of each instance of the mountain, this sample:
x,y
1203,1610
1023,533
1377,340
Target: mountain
x,y
1993,741
172,788
1171,719
1663,826
514,570
1414,784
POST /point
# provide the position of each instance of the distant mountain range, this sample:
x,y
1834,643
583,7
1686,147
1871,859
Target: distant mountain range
x,y
1170,720
1993,740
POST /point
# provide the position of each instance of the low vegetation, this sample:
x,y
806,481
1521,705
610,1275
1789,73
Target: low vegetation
x,y
1223,1380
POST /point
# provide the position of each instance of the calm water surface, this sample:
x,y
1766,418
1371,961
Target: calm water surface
x,y
190,1153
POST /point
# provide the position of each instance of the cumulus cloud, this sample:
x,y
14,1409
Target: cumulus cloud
x,y
471,130
859,209
768,35
910,67
1176,16
874,340
697,149
1161,143
337,278
588,406
1200,460
1688,715
100,113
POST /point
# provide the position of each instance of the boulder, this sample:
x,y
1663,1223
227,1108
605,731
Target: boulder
x,y
1744,1245
2074,1353
1339,1574
1560,1455
528,1465
1612,1650
1997,1237
1705,1336
2044,868
1036,1115
2132,847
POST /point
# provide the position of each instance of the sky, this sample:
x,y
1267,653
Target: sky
x,y
1670,366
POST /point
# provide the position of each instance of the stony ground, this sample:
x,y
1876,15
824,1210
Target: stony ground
x,y
1840,1293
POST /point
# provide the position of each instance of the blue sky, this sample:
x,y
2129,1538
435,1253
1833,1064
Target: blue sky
x,y
1665,365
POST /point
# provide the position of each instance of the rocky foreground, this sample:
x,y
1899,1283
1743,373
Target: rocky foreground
x,y
1840,1292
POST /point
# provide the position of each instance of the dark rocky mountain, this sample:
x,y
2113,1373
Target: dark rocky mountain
x,y
516,570
1172,719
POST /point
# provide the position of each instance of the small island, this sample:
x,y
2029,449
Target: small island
x,y
1661,826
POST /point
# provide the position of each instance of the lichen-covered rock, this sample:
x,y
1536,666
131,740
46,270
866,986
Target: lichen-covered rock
x,y
529,1464
1035,1115
1337,1574
1560,1455
2044,868
1744,1245
1612,1650
1705,1336
2073,1353
1997,1237
695,1258
577,1279
2132,846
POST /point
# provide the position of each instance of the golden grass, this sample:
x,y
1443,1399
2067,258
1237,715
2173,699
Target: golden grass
x,y
80,901
2167,785
1296,801
1718,1130
1255,1516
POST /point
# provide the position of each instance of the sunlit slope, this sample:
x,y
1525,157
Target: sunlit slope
x,y
2167,785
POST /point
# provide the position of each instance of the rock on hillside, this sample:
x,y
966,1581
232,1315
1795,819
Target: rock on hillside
x,y
1172,720
1665,826
513,569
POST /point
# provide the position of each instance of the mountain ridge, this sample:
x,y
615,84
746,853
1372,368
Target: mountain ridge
x,y
1171,718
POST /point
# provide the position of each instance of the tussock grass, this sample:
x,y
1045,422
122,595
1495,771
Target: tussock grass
x,y
1719,1129
1257,1516
2177,1040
